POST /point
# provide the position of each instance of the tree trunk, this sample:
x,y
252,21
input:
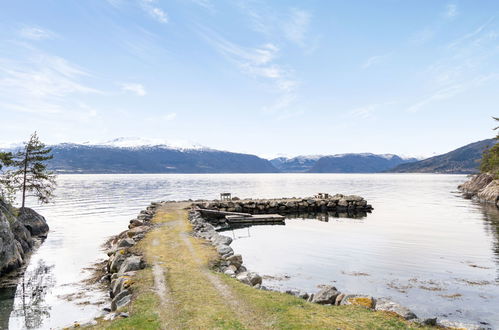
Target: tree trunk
x,y
24,177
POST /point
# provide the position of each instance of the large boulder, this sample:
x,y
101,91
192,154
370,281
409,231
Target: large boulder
x,y
249,278
326,296
34,222
386,305
131,264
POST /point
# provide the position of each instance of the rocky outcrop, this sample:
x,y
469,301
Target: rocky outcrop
x,y
18,235
482,187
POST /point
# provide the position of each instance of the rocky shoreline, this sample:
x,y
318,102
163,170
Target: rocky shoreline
x,y
21,231
483,188
124,261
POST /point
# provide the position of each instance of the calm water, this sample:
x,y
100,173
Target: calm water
x,y
423,245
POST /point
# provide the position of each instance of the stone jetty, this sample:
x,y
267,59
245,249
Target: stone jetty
x,y
335,203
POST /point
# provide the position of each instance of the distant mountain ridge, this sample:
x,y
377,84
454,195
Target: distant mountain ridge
x,y
137,155
340,163
462,160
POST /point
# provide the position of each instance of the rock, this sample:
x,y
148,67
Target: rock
x,y
391,306
249,278
117,301
353,198
224,250
125,243
135,223
343,202
221,240
327,295
34,222
430,321
116,261
298,293
338,299
236,260
131,263
137,230
359,300
230,272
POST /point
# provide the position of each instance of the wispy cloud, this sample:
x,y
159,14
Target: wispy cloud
x,y
466,63
169,116
451,11
259,63
291,25
297,25
41,83
150,7
367,111
206,4
374,60
137,89
36,33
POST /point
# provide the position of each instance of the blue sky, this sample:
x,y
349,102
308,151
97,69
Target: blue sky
x,y
263,77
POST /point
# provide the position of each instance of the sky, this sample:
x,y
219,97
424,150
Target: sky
x,y
271,78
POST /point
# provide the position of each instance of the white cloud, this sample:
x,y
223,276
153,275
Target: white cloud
x,y
138,89
451,11
149,6
374,60
36,33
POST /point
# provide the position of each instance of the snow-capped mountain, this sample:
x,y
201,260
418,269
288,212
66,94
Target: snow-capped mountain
x,y
137,142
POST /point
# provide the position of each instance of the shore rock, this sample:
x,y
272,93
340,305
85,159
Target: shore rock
x,y
34,222
327,295
17,235
249,278
482,187
391,306
359,300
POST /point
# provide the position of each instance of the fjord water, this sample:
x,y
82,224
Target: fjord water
x,y
424,246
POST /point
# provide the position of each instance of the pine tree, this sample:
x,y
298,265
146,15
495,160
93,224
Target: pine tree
x,y
29,173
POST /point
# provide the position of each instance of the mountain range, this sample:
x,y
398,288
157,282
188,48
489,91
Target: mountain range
x,y
463,160
132,155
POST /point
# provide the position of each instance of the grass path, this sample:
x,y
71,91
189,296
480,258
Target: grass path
x,y
180,291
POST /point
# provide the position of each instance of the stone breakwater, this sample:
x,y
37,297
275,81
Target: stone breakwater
x,y
337,203
483,188
125,260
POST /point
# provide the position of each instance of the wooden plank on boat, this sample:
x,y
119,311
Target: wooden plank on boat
x,y
255,218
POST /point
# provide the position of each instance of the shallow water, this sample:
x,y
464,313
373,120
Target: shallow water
x,y
422,242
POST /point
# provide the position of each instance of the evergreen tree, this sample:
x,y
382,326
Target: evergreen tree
x,y
490,159
29,173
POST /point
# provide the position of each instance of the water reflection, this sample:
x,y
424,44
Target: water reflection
x,y
31,306
7,295
491,224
